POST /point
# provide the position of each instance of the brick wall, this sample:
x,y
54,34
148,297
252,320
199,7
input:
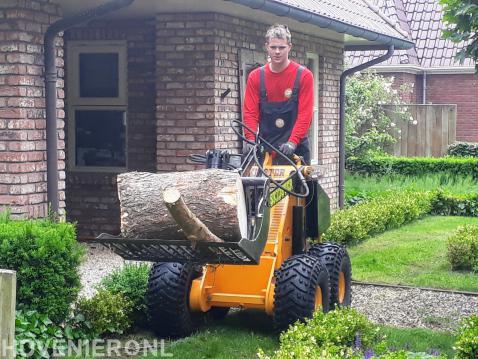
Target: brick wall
x,y
461,90
197,60
22,107
408,85
92,198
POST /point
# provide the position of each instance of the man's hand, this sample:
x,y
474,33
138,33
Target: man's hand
x,y
288,148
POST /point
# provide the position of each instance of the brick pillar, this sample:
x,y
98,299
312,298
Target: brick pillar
x,y
22,107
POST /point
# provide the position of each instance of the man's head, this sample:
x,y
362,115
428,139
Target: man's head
x,y
278,45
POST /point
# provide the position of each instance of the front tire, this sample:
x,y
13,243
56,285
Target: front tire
x,y
169,285
337,261
302,287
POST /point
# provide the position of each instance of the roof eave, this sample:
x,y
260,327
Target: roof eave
x,y
325,22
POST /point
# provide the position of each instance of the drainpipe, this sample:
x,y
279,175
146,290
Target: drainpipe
x,y
50,89
343,77
424,87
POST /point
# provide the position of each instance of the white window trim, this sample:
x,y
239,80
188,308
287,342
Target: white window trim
x,y
314,126
75,102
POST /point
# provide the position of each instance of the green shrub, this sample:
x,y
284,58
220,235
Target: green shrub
x,y
343,333
414,166
462,248
463,149
391,210
46,257
446,204
36,336
131,281
466,345
107,312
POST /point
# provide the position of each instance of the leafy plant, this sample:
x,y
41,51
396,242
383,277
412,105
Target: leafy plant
x,y
46,257
368,127
446,204
461,21
463,149
107,312
131,281
462,248
466,345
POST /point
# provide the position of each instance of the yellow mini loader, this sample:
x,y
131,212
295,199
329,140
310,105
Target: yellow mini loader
x,y
275,269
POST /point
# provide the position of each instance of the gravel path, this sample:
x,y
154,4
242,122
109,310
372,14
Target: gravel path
x,y
392,306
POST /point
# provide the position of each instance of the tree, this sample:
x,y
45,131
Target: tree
x,y
368,128
461,21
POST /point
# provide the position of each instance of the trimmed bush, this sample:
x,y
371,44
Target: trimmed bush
x,y
463,149
462,248
131,281
415,166
46,257
107,312
445,204
391,210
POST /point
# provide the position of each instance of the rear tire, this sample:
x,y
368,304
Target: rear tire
x,y
169,285
301,287
337,261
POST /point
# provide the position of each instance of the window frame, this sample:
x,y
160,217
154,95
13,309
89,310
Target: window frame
x,y
314,126
75,102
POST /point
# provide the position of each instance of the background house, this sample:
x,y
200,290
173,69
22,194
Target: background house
x,y
145,86
430,66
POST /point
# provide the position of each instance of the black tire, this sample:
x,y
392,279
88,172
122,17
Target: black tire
x,y
218,313
337,261
297,283
167,297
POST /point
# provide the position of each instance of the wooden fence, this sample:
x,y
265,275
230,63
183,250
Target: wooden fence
x,y
426,132
7,313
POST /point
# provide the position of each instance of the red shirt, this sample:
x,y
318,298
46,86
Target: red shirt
x,y
276,86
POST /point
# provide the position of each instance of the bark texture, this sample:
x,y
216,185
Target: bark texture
x,y
215,196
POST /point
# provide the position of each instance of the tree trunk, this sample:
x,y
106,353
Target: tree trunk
x,y
214,196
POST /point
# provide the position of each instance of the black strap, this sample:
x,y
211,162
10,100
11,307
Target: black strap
x,y
295,91
263,91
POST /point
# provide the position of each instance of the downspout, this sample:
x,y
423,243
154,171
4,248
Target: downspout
x,y
51,78
424,87
343,78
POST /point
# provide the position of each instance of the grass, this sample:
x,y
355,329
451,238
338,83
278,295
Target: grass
x,y
414,254
356,184
242,333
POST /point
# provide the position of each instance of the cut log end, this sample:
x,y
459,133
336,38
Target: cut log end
x,y
171,195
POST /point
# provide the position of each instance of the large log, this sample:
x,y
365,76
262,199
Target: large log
x,y
215,196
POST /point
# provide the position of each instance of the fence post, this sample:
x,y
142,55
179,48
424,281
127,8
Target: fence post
x,y
8,284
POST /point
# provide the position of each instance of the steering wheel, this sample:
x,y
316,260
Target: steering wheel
x,y
260,140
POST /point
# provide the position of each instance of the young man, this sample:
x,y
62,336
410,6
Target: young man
x,y
279,98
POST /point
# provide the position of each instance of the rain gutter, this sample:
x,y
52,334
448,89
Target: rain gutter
x,y
282,9
51,78
343,78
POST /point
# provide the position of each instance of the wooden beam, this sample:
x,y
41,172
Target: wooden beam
x,y
8,283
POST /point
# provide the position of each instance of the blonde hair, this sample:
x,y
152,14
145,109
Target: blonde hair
x,y
278,31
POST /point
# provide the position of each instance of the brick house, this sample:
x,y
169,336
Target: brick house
x,y
141,88
430,65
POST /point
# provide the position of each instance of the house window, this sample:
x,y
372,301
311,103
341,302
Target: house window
x,y
97,106
313,65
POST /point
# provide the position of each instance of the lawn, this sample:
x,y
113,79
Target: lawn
x,y
242,333
414,254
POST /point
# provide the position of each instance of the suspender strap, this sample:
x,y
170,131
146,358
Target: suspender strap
x,y
295,91
263,92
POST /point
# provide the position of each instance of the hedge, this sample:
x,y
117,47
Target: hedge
x,y
445,204
46,257
414,166
463,149
390,210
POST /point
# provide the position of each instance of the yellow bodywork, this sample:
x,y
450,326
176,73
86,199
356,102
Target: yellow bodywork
x,y
250,286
